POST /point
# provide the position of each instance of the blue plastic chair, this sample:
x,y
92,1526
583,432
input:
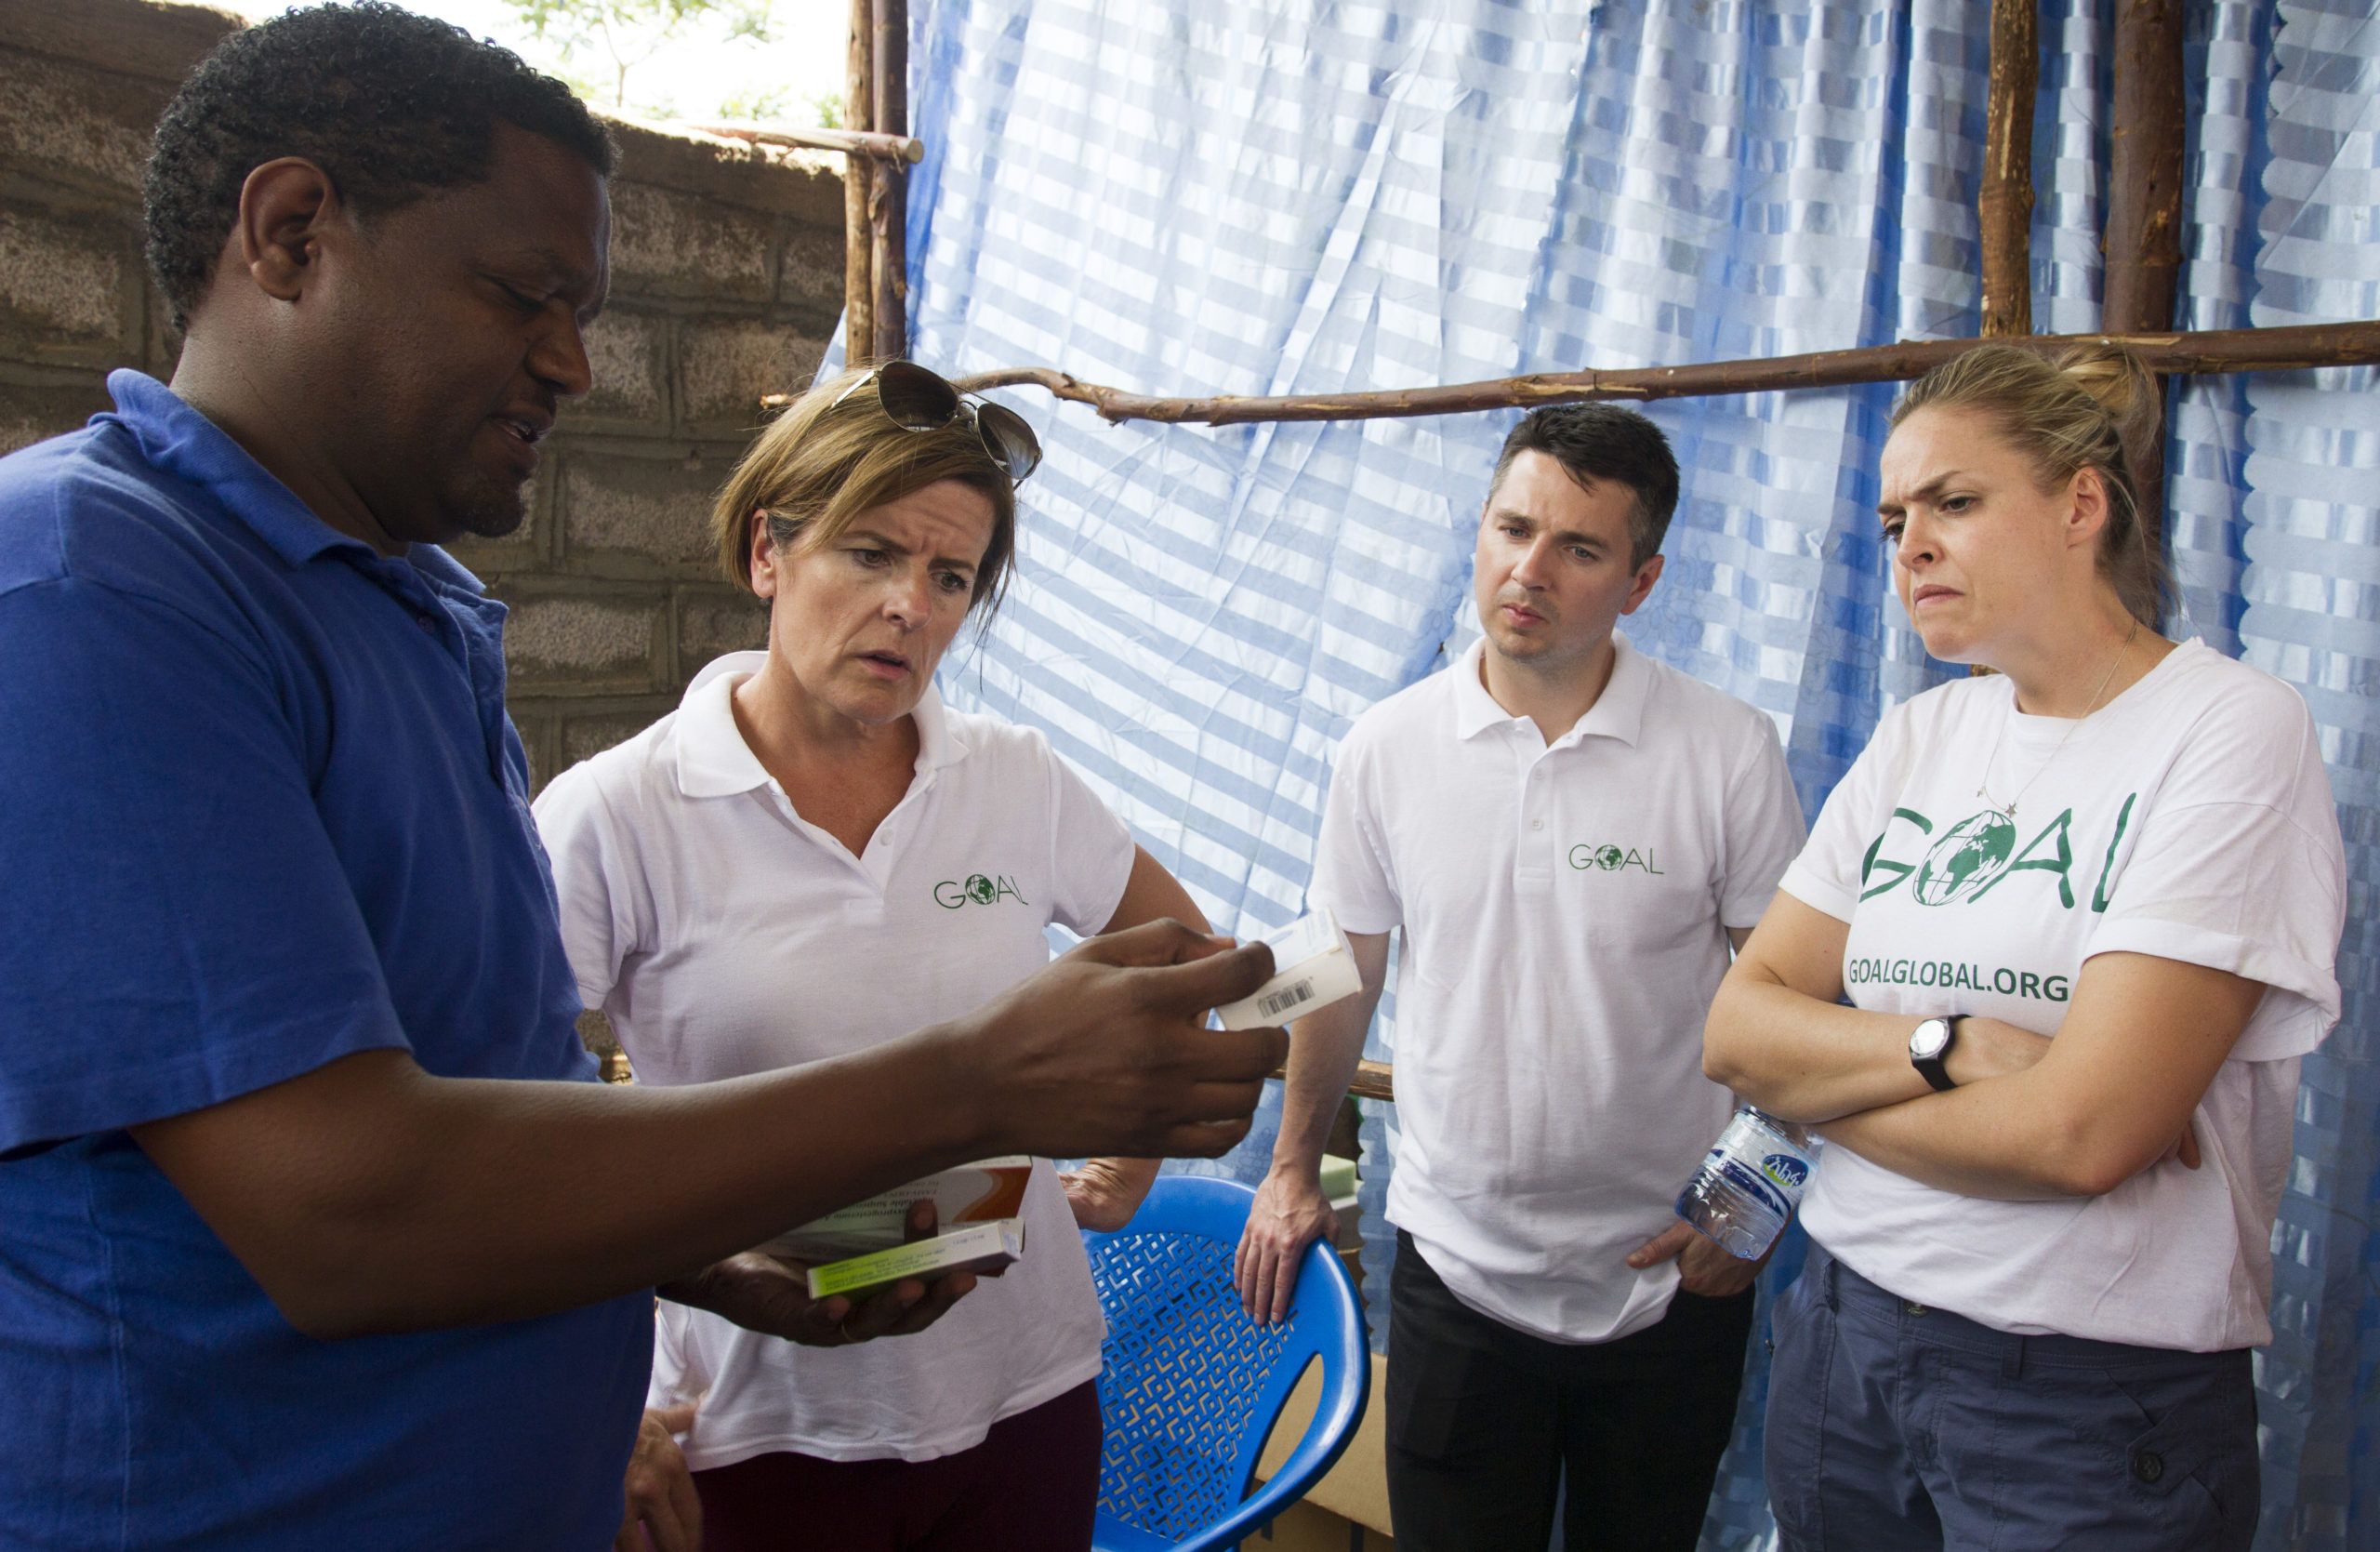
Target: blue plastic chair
x,y
1192,1385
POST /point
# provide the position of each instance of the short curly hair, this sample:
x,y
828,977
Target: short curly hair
x,y
391,105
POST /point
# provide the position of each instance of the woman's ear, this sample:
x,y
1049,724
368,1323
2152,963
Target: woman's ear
x,y
2086,507
763,557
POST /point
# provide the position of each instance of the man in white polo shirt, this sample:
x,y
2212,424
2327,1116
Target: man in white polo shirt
x,y
1570,836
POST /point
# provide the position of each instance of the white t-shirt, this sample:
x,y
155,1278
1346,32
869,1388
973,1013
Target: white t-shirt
x,y
2189,819
723,935
1564,908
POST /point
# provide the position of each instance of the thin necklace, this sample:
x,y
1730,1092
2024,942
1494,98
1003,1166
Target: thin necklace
x,y
2009,808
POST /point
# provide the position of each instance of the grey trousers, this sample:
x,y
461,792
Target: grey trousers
x,y
1893,1427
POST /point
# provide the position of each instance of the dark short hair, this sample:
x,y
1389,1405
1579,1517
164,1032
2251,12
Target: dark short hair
x,y
390,105
1605,441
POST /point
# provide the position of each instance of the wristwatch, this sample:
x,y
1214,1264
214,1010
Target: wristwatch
x,y
1928,1044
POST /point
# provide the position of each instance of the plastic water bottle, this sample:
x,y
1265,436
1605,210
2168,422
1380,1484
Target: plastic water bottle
x,y
1749,1183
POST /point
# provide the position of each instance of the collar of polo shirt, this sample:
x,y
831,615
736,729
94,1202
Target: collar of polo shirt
x,y
1618,712
715,762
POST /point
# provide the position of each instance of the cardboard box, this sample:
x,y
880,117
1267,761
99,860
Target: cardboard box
x,y
1312,967
975,1248
990,1190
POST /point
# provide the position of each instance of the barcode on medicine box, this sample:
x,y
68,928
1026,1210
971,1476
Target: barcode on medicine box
x,y
1284,999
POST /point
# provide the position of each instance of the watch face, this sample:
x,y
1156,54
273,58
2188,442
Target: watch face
x,y
1927,1040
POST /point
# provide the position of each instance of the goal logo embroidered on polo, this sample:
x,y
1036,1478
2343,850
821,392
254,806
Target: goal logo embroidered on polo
x,y
1608,858
979,889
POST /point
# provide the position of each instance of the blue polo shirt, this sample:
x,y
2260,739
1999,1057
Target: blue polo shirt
x,y
262,807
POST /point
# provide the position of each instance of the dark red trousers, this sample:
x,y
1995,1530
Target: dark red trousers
x,y
1027,1488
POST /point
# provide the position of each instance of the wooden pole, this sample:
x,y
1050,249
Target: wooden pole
x,y
859,175
2266,350
889,188
2005,203
2144,235
884,148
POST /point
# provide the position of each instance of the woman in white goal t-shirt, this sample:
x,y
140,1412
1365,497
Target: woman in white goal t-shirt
x,y
811,855
2085,913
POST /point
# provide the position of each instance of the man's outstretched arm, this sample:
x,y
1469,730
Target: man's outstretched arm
x,y
369,1196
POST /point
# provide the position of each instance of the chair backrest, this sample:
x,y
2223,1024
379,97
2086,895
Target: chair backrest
x,y
1191,1385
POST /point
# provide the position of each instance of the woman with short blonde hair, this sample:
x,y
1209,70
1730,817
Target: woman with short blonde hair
x,y
811,856
834,453
2084,913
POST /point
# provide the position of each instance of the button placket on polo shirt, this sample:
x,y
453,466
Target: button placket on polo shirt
x,y
884,849
1542,839
404,584
876,862
1532,871
865,904
451,624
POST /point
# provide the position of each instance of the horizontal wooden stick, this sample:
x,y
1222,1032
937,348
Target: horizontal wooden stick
x,y
1373,1080
860,142
2271,350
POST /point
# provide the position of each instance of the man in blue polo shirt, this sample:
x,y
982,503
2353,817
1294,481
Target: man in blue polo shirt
x,y
315,1233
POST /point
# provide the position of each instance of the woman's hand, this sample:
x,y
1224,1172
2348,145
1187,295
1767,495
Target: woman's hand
x,y
1105,1193
664,1512
771,1294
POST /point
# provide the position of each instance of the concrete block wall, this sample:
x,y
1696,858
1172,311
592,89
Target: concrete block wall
x,y
726,282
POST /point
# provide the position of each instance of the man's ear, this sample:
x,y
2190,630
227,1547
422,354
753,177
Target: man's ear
x,y
283,206
1642,589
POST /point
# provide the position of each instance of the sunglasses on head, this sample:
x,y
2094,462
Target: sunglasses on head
x,y
919,399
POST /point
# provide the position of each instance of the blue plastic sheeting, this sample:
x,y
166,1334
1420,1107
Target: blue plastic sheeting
x,y
2306,546
1226,198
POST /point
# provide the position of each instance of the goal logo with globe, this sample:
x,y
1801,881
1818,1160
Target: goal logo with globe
x,y
1965,861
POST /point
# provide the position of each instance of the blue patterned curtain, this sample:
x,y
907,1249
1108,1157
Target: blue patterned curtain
x,y
2304,550
1259,198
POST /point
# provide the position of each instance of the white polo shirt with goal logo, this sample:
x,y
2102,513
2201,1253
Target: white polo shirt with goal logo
x,y
723,935
1565,909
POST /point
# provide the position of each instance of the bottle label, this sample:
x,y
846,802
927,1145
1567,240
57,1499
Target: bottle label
x,y
1788,1172
1756,1186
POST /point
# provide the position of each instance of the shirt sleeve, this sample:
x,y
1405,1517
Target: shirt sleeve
x,y
1091,851
184,931
1763,828
596,886
1352,875
2240,868
1828,874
